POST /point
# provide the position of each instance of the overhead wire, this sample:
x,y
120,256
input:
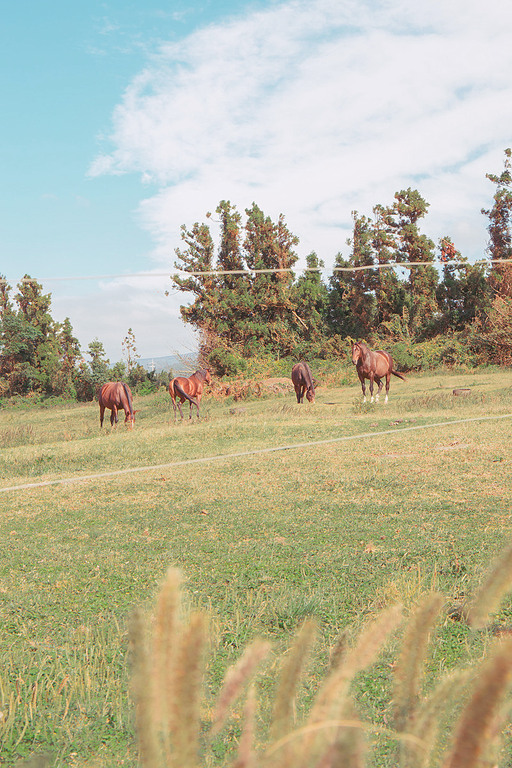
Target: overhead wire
x,y
269,270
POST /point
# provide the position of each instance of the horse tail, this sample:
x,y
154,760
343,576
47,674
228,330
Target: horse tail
x,y
400,376
129,398
179,389
309,377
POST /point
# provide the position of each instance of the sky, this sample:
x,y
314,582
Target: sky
x,y
121,121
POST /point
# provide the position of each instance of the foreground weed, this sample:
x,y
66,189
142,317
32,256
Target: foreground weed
x,y
178,726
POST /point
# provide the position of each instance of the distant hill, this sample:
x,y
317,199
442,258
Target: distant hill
x,y
186,363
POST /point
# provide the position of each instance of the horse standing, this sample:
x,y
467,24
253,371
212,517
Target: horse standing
x,y
373,366
303,382
117,396
191,389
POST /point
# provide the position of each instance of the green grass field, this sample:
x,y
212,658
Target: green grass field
x,y
336,530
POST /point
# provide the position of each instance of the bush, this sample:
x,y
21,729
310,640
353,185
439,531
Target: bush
x,y
224,362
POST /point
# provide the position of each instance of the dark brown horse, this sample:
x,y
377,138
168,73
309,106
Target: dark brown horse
x,y
117,397
374,366
191,389
303,382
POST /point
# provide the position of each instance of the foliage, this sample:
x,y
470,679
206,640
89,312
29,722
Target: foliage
x,y
500,229
253,311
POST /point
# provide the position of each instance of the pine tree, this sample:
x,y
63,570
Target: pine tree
x,y
398,238
463,293
500,229
249,313
310,297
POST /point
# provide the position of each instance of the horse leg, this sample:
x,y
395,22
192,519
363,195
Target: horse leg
x,y
363,387
102,413
371,387
381,384
113,416
179,401
297,392
388,378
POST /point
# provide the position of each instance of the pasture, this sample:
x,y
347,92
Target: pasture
x,y
336,530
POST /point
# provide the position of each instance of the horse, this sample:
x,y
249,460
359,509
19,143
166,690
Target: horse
x,y
191,389
374,366
117,396
303,382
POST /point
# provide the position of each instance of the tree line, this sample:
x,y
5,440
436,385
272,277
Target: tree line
x,y
42,356
428,313
247,301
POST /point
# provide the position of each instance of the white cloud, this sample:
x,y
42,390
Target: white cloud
x,y
317,108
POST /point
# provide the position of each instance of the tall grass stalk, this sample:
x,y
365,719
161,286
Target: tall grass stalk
x,y
494,587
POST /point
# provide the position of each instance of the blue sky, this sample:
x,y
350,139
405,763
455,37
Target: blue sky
x,y
121,121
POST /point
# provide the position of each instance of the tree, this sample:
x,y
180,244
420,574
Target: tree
x,y
251,312
69,355
269,246
130,349
398,237
463,293
28,340
358,287
310,297
500,229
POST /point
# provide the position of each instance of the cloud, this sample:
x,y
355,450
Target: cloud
x,y
317,108
108,308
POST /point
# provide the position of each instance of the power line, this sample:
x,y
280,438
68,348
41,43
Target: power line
x,y
270,270
243,454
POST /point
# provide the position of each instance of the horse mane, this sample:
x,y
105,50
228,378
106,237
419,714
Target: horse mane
x,y
128,397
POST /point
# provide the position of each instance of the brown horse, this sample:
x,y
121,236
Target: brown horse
x,y
303,382
191,389
374,366
117,397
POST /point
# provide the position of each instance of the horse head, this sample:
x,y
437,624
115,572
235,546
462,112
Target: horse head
x,y
356,352
310,395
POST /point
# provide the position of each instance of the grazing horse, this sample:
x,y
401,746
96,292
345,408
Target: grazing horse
x,y
303,382
374,366
191,389
117,397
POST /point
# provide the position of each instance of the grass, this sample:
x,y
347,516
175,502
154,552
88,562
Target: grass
x,y
338,531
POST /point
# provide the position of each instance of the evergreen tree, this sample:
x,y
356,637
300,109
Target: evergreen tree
x,y
390,294
269,246
249,313
340,318
69,355
310,297
99,364
198,256
463,293
364,281
500,229
28,340
398,238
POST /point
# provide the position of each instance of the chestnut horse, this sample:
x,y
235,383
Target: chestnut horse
x,y
191,389
303,382
117,397
374,366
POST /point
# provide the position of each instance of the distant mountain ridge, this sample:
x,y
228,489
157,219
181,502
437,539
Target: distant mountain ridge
x,y
178,364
